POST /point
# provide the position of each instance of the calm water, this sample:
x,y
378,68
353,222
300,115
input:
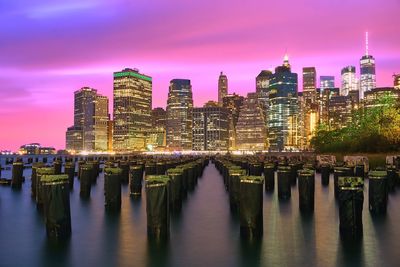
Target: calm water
x,y
205,233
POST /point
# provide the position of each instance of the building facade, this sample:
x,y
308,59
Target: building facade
x,y
283,115
210,128
132,110
372,97
367,71
326,82
251,132
339,110
222,87
233,103
90,129
349,80
179,115
396,81
326,95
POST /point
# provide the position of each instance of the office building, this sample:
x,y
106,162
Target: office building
x,y
222,87
283,115
367,71
326,82
339,110
90,131
210,127
233,102
349,80
132,110
251,132
179,115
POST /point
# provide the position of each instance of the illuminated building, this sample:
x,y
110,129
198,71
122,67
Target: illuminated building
x,y
210,127
110,131
367,71
233,102
396,81
222,87
349,80
90,130
262,84
283,115
308,106
339,112
326,95
156,139
36,149
74,138
29,149
309,85
251,133
179,115
372,97
100,124
158,118
132,110
326,82
157,136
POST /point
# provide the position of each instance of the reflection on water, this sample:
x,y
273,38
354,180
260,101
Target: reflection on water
x,y
205,232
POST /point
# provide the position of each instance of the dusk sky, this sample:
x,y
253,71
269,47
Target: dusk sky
x,y
50,48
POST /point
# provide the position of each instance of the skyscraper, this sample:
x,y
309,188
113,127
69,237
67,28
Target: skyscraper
x,y
158,117
89,131
262,83
326,95
157,136
367,71
222,87
132,110
210,127
233,102
251,132
326,82
179,115
309,85
349,80
339,110
283,117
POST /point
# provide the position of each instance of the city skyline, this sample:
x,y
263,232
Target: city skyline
x,y
43,81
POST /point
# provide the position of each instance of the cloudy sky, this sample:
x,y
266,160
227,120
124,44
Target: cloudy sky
x,y
50,48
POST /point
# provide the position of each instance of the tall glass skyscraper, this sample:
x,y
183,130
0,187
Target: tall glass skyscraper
x,y
326,82
283,117
349,80
222,87
132,110
179,115
367,71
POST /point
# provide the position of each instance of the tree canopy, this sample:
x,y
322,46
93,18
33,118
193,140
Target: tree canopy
x,y
372,129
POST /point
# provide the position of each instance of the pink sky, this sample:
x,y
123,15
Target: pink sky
x,y
52,48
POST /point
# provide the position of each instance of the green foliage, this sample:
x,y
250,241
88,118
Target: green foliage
x,y
373,129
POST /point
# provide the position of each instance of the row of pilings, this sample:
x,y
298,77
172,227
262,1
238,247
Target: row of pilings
x,y
246,178
168,181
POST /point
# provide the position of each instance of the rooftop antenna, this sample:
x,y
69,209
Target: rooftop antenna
x,y
366,43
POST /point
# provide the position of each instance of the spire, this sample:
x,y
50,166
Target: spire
x,y
366,43
286,61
